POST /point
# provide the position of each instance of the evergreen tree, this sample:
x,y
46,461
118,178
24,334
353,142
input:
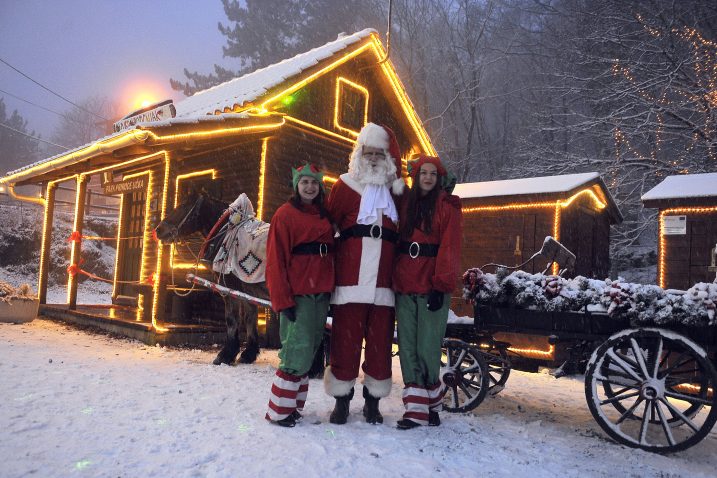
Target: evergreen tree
x,y
263,32
16,149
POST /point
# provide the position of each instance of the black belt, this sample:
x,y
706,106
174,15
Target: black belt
x,y
320,248
374,230
415,249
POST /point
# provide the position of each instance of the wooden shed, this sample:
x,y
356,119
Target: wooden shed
x,y
687,233
505,222
240,136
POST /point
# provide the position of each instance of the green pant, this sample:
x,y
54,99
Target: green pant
x,y
420,334
301,338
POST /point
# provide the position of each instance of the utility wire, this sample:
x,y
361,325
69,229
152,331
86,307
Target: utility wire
x,y
56,94
43,108
33,137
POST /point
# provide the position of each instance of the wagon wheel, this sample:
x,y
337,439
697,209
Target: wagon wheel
x,y
498,364
652,389
465,374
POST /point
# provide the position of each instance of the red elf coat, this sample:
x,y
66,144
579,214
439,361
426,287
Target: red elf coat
x,y
423,274
363,264
290,274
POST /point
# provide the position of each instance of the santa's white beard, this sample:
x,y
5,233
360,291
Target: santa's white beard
x,y
380,174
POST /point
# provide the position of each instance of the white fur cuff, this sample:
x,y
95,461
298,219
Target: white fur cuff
x,y
335,387
398,186
377,388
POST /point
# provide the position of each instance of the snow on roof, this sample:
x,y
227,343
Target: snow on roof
x,y
515,187
684,186
253,85
138,126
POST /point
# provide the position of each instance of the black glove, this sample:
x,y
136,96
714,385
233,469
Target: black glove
x,y
290,314
435,300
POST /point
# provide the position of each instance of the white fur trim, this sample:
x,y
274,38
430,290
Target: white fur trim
x,y
374,136
335,387
398,186
377,388
352,183
363,294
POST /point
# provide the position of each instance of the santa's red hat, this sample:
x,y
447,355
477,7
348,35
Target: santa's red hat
x,y
383,137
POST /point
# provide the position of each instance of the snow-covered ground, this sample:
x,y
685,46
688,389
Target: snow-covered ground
x,y
75,403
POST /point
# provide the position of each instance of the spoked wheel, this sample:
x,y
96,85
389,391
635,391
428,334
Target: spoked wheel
x,y
498,364
465,374
652,389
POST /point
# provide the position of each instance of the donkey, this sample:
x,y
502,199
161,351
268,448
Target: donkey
x,y
199,212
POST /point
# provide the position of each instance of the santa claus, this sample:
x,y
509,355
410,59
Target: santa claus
x,y
361,204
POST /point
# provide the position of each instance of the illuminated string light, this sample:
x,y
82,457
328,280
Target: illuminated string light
x,y
535,353
319,129
262,174
341,84
119,244
173,249
557,205
146,236
160,248
129,138
663,246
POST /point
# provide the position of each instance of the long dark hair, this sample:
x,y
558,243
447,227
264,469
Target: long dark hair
x,y
318,201
420,210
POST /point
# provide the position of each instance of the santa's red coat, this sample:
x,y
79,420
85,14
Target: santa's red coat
x,y
363,264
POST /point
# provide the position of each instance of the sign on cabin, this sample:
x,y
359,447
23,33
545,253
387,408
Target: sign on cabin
x,y
135,184
675,225
157,112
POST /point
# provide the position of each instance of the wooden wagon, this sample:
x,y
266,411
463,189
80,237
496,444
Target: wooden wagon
x,y
648,386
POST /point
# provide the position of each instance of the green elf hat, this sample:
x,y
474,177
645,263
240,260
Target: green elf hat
x,y
307,170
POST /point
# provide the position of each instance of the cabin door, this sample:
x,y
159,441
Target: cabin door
x,y
129,250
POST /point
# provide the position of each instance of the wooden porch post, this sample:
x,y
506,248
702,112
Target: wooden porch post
x,y
164,249
76,250
46,242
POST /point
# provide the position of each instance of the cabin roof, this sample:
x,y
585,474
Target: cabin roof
x,y
536,189
522,186
248,88
139,127
682,188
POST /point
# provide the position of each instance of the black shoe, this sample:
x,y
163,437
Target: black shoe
x,y
288,422
297,416
340,414
406,424
370,408
433,419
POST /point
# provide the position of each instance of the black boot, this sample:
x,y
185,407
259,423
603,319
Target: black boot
x,y
341,409
434,419
370,408
406,424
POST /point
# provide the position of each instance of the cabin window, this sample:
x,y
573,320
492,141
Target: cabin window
x,y
351,112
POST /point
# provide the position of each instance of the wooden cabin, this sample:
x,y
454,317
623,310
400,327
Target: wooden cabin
x,y
687,233
241,136
506,222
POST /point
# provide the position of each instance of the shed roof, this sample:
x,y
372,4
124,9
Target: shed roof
x,y
682,188
537,189
518,187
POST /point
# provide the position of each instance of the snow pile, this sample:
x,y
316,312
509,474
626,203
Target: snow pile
x,y
643,304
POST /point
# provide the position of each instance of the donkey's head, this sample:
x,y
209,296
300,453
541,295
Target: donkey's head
x,y
198,212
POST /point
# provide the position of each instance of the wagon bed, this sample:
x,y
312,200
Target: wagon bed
x,y
647,386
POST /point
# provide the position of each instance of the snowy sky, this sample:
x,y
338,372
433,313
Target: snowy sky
x,y
117,49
